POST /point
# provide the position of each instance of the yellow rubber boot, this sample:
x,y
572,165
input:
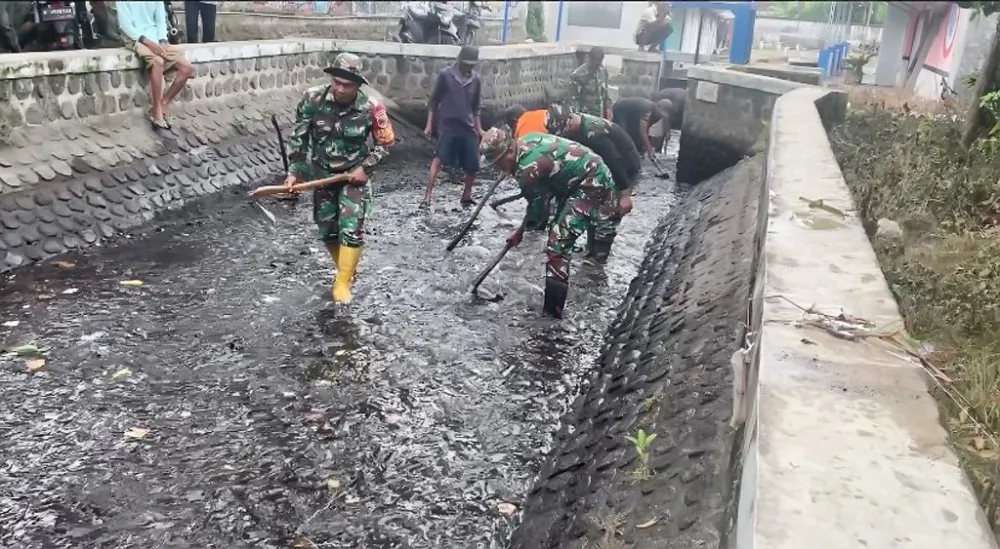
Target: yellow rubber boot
x,y
334,249
347,263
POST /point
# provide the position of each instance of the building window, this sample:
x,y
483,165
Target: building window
x,y
606,15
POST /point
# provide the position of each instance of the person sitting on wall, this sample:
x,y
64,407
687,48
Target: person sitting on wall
x,y
144,26
654,27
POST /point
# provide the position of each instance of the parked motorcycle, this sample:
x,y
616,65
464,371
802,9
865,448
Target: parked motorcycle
x,y
469,23
57,25
428,23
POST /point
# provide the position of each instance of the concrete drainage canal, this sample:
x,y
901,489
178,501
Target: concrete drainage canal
x,y
223,403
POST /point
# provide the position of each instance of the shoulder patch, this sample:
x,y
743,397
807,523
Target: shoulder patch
x,y
382,130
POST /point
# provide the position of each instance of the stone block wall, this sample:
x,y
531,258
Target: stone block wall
x,y
79,162
725,116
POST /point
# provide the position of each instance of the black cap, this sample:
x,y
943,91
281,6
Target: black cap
x,y
468,55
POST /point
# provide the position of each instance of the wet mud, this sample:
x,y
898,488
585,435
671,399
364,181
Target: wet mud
x,y
224,402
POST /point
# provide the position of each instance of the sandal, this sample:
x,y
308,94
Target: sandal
x,y
159,123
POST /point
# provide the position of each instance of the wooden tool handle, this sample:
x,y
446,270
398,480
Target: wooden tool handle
x,y
300,187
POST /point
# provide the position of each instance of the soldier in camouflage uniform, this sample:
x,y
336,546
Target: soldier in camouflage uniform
x,y
332,127
581,184
615,148
590,86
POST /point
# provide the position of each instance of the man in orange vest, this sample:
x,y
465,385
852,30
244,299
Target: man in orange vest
x,y
522,122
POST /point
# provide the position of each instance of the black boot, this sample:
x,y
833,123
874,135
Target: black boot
x,y
599,251
555,296
590,242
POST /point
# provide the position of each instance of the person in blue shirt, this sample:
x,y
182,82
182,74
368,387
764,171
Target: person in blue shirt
x,y
144,28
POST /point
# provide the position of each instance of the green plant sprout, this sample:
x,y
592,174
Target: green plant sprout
x,y
641,442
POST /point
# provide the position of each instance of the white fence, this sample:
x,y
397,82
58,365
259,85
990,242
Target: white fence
x,y
371,7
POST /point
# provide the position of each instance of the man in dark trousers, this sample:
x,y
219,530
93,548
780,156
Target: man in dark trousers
x,y
636,115
454,112
615,148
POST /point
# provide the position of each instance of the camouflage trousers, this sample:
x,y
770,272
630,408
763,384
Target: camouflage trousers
x,y
339,212
597,211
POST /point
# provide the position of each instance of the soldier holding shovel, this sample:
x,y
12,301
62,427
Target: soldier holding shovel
x,y
580,182
332,127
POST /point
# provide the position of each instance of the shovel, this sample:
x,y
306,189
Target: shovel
x,y
660,174
505,200
468,224
271,190
486,272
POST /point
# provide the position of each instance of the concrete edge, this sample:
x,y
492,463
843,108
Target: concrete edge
x,y
843,445
738,79
35,64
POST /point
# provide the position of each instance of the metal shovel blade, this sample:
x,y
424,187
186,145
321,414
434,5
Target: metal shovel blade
x,y
268,214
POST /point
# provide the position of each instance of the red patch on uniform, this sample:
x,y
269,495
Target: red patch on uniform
x,y
382,130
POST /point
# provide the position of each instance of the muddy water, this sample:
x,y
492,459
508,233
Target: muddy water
x,y
226,403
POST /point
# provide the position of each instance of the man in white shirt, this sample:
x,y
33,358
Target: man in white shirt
x,y
654,26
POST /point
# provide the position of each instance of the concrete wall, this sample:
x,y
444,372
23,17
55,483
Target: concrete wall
x,y
789,32
79,162
838,443
842,445
724,117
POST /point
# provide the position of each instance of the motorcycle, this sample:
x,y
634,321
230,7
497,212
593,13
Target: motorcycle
x,y
173,27
468,23
428,23
57,25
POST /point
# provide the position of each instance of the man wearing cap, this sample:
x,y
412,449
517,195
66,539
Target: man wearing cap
x,y
590,86
581,184
615,148
333,124
454,108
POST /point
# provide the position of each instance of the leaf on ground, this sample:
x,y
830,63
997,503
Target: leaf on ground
x,y
507,509
979,443
136,433
647,524
963,415
332,484
820,205
35,364
132,283
121,374
64,264
28,349
302,542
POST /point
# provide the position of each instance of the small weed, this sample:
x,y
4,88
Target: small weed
x,y
651,402
641,442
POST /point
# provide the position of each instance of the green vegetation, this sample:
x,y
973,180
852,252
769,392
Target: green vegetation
x,y
936,203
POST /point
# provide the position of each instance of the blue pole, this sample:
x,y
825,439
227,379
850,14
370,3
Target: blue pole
x,y
559,19
506,21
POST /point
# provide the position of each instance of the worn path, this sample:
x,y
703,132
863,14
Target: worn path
x,y
224,403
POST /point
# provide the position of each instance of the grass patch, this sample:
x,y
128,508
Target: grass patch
x,y
902,159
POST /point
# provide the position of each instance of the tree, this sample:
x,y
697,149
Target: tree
x,y
976,117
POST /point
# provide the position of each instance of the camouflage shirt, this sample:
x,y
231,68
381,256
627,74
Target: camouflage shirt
x,y
328,138
549,165
593,126
590,90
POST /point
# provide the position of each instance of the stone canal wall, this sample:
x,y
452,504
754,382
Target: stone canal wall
x,y
80,162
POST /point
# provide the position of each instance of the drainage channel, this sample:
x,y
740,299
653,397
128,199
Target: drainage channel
x,y
224,403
